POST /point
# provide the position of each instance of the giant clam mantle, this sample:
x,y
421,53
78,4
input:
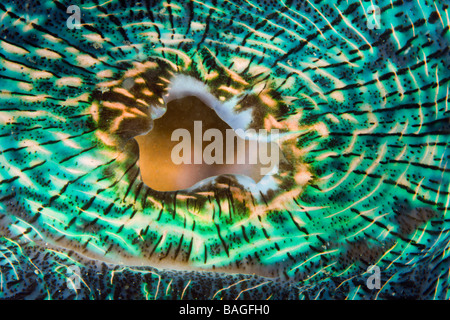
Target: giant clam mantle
x,y
363,112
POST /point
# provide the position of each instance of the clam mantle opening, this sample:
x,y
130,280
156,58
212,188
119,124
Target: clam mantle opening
x,y
160,172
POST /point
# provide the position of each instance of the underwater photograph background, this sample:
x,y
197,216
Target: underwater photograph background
x,y
359,91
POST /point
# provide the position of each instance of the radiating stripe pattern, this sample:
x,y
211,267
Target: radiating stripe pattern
x,y
363,109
